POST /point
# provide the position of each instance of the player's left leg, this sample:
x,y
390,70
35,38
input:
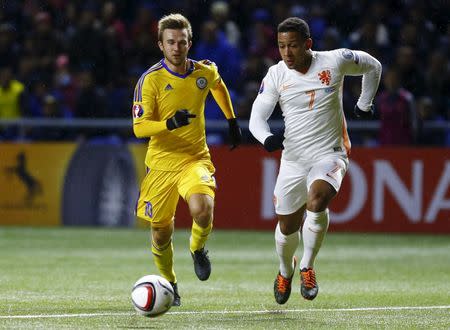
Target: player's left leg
x,y
201,208
197,187
324,181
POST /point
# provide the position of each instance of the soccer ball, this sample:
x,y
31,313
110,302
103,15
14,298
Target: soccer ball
x,y
152,295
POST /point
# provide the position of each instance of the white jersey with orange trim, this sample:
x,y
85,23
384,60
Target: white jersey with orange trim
x,y
311,103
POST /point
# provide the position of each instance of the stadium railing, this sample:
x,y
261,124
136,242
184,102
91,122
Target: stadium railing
x,y
217,125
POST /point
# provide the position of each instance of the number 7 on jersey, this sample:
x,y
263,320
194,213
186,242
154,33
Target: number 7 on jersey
x,y
312,95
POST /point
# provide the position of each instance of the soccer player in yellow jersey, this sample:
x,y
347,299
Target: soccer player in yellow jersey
x,y
168,108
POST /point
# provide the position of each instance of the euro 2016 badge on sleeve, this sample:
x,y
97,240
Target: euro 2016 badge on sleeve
x,y
202,82
350,55
138,111
261,87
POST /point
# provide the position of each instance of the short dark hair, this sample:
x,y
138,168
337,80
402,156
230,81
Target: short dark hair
x,y
295,24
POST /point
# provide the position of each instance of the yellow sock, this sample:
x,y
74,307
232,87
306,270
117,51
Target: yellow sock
x,y
199,236
163,258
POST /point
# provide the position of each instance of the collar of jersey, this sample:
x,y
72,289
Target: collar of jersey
x,y
189,71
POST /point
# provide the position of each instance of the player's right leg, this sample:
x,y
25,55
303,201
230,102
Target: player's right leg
x,y
162,251
289,197
286,243
157,204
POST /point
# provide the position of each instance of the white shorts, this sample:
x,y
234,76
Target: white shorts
x,y
295,179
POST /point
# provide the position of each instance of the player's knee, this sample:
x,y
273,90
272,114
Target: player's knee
x,y
289,228
201,207
317,201
290,224
317,205
319,196
202,213
160,241
161,237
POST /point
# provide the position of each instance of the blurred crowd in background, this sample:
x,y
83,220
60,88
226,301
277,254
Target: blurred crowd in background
x,y
82,59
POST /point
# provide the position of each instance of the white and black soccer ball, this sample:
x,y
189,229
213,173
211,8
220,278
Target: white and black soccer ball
x,y
152,295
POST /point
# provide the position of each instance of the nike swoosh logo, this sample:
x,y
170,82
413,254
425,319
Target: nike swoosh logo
x,y
314,231
286,86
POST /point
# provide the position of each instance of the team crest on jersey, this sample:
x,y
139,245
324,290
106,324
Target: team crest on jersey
x,y
261,88
325,77
202,82
138,111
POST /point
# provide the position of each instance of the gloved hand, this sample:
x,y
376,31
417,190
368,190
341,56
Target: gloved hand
x,y
234,131
181,118
274,142
360,114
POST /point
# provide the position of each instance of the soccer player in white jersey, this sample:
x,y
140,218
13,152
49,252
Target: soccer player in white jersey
x,y
308,86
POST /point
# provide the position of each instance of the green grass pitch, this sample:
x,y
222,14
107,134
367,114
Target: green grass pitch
x,y
71,278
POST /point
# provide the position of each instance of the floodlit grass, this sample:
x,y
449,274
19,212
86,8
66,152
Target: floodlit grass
x,y
81,278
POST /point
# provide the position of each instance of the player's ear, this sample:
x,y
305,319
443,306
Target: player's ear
x,y
160,44
308,43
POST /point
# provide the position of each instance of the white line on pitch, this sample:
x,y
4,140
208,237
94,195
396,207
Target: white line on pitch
x,y
281,311
277,311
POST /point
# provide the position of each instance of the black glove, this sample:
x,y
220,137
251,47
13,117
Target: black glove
x,y
181,118
274,142
363,114
234,131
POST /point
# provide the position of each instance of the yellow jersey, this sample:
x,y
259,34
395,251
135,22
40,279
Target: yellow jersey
x,y
159,93
10,100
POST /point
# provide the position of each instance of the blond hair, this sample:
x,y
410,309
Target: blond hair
x,y
175,22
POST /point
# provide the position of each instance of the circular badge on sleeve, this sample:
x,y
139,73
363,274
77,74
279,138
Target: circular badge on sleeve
x,y
347,54
261,87
202,82
138,111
